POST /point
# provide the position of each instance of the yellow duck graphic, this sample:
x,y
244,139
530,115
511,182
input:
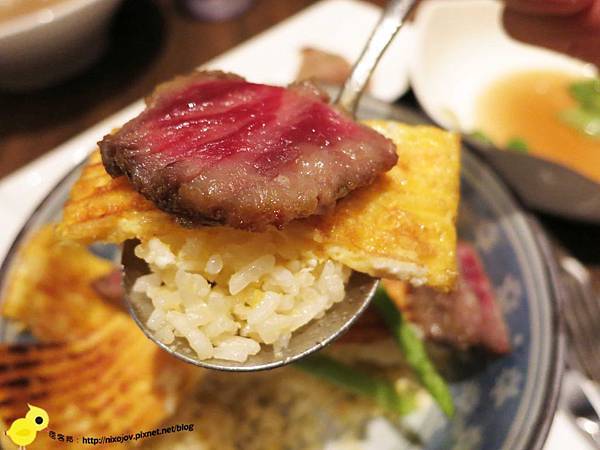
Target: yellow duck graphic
x,y
23,431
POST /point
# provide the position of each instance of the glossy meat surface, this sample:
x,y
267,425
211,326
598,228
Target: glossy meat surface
x,y
212,148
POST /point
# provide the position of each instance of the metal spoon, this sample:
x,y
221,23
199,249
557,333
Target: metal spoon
x,y
360,289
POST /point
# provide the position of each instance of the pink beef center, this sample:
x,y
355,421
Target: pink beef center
x,y
211,121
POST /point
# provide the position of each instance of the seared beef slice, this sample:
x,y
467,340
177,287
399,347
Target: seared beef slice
x,y
212,148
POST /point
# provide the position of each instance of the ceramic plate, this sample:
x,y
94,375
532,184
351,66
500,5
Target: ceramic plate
x,y
508,403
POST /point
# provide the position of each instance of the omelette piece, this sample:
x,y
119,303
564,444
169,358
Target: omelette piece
x,y
50,288
92,364
402,226
105,209
111,382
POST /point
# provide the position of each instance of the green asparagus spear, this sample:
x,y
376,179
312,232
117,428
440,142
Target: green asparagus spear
x,y
414,352
380,390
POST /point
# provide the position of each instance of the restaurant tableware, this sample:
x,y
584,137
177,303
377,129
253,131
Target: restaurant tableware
x,y
459,49
53,42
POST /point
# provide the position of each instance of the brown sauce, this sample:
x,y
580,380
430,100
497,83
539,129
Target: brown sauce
x,y
527,105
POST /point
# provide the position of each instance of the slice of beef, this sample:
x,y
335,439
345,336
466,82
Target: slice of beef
x,y
493,331
468,317
322,66
110,287
212,148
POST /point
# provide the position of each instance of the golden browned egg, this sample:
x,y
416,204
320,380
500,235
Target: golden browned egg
x,y
92,386
44,277
402,226
92,364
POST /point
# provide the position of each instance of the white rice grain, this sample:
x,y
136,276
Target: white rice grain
x,y
236,348
251,273
196,338
228,296
214,264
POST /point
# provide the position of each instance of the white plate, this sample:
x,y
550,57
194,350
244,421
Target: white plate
x,y
460,47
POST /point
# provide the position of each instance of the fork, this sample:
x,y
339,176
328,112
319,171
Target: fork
x,y
582,318
582,315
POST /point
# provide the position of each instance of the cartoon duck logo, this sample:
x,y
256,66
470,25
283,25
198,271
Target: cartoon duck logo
x,y
23,431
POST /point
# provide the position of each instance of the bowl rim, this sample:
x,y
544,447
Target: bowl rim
x,y
553,387
541,426
28,21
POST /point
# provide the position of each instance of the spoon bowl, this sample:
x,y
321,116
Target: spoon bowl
x,y
360,289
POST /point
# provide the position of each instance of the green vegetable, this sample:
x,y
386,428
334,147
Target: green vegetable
x,y
587,94
586,116
380,390
414,352
480,136
517,144
586,122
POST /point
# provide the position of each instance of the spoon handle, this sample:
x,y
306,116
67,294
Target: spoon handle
x,y
390,22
